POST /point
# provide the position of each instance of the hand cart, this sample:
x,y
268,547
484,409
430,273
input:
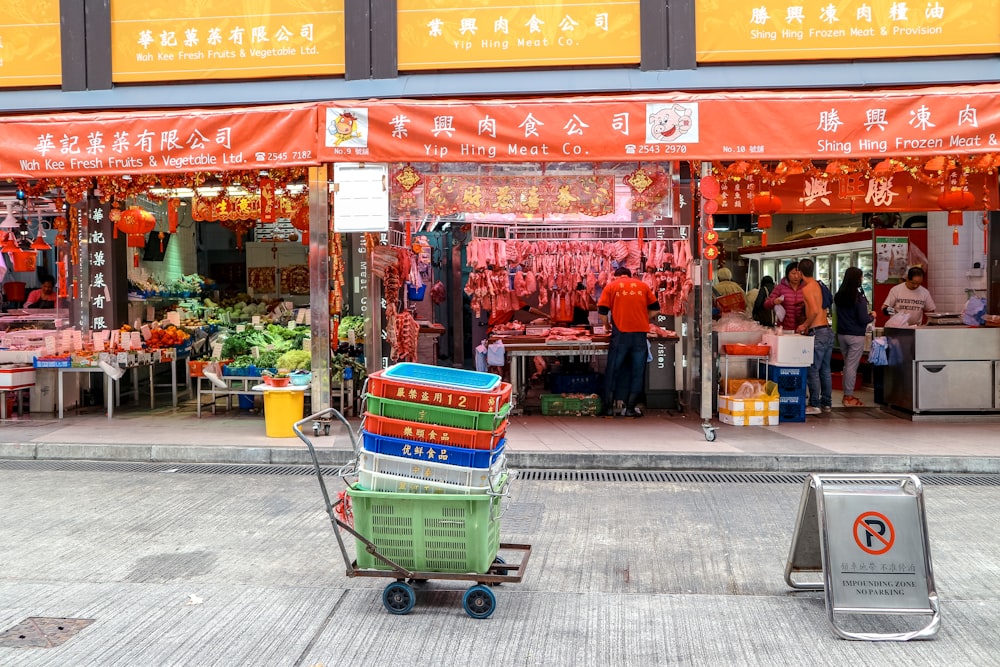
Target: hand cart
x,y
399,596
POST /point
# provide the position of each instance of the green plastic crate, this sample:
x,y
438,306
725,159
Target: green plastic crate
x,y
555,405
432,414
427,533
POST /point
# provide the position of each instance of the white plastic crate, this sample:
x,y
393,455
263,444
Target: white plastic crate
x,y
420,472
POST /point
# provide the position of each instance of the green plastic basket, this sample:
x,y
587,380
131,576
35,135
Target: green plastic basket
x,y
554,405
427,533
432,414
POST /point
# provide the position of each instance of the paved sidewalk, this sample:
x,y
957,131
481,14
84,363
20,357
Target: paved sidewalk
x,y
848,439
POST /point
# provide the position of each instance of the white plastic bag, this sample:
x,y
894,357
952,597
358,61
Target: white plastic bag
x,y
495,353
779,313
900,320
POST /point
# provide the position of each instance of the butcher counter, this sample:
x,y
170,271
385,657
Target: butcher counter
x,y
943,369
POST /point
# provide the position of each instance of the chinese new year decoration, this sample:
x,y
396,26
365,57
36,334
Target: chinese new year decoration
x,y
135,222
172,216
407,179
765,205
955,200
300,220
648,186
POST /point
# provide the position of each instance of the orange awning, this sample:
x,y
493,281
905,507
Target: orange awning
x,y
157,142
671,126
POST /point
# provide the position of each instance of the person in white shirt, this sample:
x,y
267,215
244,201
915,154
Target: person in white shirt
x,y
911,297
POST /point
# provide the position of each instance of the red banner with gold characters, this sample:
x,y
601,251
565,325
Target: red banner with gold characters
x,y
167,40
851,193
30,46
753,30
588,195
676,126
475,34
227,209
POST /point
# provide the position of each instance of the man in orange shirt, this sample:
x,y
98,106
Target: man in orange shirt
x,y
630,303
817,325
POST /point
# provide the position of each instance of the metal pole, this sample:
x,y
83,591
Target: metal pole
x,y
319,287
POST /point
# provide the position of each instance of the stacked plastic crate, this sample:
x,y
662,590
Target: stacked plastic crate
x,y
432,467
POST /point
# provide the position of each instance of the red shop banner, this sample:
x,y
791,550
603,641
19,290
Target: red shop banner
x,y
853,193
158,142
713,126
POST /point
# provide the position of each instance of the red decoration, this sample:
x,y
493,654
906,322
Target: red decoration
x,y
709,186
766,205
710,252
648,187
955,201
300,220
268,201
136,223
172,215
711,237
408,179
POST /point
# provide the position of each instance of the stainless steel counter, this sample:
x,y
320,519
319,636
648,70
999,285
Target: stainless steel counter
x,y
943,369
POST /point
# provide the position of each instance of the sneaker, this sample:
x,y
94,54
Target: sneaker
x,y
827,408
634,413
813,410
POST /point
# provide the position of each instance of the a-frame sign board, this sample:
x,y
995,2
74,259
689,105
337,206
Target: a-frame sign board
x,y
863,540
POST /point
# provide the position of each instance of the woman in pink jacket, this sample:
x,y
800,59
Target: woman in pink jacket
x,y
788,295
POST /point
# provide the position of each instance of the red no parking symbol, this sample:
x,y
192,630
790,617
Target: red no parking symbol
x,y
873,532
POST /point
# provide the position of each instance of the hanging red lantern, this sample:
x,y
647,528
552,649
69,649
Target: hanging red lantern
x,y
300,220
172,215
766,205
136,223
956,200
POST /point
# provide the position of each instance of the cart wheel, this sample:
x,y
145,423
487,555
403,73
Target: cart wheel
x,y
315,429
479,601
502,571
326,429
398,598
709,434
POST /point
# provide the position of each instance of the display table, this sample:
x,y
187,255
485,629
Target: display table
x,y
109,387
518,353
283,406
236,385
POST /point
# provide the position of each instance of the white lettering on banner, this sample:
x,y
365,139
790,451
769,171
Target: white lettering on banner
x,y
530,125
880,192
487,126
813,189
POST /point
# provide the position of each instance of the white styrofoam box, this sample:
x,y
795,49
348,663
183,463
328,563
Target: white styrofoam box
x,y
790,349
16,376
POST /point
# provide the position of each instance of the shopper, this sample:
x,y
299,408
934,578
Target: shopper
x,y
817,325
757,297
786,298
853,316
726,285
911,297
629,304
45,296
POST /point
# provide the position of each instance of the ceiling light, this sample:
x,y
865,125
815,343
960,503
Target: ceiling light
x,y
9,221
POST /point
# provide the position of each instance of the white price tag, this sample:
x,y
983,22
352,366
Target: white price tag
x,y
255,352
300,316
123,358
256,320
150,313
147,333
291,325
240,327
217,350
50,346
174,318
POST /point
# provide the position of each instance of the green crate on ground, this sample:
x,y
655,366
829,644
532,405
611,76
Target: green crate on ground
x,y
427,533
432,414
555,405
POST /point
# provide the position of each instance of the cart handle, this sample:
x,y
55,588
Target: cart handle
x,y
312,449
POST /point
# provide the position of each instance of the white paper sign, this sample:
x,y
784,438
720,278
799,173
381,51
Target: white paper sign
x,y
101,339
150,313
300,316
217,350
240,327
50,345
291,325
147,333
255,352
174,318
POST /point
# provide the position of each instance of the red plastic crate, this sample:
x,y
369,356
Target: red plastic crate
x,y
476,401
431,433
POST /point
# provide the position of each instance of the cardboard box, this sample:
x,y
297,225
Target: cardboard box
x,y
789,349
17,376
759,411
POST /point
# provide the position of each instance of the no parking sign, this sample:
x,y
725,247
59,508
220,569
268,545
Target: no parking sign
x,y
867,536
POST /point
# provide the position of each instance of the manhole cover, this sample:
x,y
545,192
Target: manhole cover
x,y
39,632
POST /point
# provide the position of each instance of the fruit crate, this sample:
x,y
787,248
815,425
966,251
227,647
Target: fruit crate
x,y
554,405
442,376
388,482
431,414
585,383
476,401
792,409
421,451
791,380
432,433
427,532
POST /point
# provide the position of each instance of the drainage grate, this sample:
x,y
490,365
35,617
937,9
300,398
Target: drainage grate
x,y
41,632
554,475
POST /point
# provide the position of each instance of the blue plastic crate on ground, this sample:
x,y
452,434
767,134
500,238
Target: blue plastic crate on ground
x,y
586,383
423,451
791,380
791,408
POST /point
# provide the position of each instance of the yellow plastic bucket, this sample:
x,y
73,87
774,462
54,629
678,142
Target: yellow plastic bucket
x,y
282,408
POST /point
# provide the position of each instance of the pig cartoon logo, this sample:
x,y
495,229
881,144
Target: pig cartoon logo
x,y
347,127
672,123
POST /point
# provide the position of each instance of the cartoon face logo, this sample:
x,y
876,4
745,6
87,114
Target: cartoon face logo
x,y
346,127
670,123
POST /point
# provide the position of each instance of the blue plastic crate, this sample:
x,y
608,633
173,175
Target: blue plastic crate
x,y
587,383
442,376
422,451
791,380
791,408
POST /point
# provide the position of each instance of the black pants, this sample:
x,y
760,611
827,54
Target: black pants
x,y
626,354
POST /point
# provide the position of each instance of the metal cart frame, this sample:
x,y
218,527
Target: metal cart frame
x,y
399,596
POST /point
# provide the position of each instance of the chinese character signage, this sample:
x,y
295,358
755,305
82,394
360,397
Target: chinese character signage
x,y
711,126
763,30
851,193
166,40
156,142
474,34
30,49
98,292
